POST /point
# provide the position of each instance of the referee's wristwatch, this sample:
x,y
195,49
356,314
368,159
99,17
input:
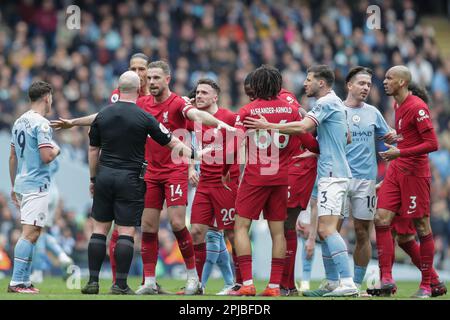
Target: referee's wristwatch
x,y
93,179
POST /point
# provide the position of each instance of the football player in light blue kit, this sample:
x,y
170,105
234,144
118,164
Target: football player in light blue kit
x,y
31,152
366,126
328,115
46,240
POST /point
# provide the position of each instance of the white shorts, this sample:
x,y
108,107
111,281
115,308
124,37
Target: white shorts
x,y
332,193
33,208
362,199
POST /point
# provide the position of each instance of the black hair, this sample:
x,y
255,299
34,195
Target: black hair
x,y
419,91
266,82
248,78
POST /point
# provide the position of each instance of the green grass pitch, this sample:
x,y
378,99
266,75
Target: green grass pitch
x,y
56,289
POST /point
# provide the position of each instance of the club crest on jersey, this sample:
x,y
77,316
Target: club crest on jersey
x,y
115,98
166,117
356,119
422,115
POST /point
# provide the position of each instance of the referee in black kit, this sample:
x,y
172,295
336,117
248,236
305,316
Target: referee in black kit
x,y
117,178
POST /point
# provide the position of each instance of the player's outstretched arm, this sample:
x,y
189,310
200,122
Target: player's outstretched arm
x,y
180,149
69,123
390,137
292,128
205,118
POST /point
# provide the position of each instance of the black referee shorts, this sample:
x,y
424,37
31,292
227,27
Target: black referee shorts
x,y
119,196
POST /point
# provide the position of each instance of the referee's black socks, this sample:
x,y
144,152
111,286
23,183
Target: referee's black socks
x,y
124,255
96,255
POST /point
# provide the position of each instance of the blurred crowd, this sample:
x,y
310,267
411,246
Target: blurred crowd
x,y
223,40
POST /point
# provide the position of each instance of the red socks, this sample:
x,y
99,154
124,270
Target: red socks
x,y
385,247
245,264
412,248
184,240
276,271
149,252
287,280
237,269
426,259
112,247
200,257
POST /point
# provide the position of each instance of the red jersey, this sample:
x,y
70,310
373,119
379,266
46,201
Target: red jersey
x,y
412,120
268,152
172,114
298,165
211,169
289,97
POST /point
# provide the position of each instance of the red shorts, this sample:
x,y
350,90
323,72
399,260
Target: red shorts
x,y
272,200
214,206
402,225
173,190
300,188
407,196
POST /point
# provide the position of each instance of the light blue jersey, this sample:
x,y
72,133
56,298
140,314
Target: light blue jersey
x,y
329,116
29,133
366,124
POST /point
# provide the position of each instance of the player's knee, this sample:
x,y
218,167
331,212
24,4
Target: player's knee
x,y
177,224
230,237
382,218
197,235
362,234
31,236
324,231
403,238
422,227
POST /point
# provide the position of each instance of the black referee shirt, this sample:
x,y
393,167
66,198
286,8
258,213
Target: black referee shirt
x,y
121,130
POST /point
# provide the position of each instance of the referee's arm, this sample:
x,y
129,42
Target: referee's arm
x,y
162,135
